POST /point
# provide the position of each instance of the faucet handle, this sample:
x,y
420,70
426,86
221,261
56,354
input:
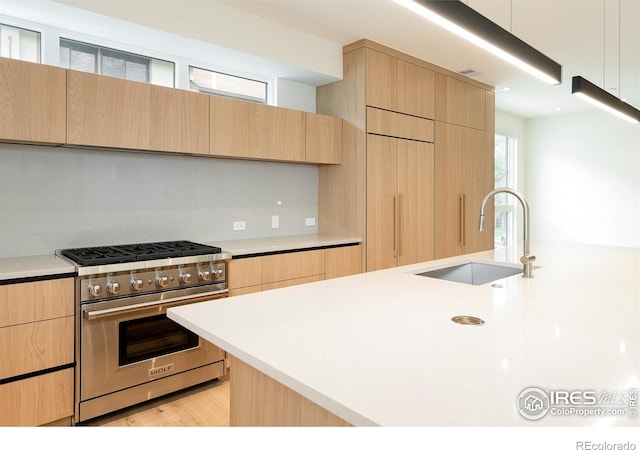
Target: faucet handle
x,y
527,259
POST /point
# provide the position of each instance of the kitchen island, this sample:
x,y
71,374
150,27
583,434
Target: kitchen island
x,y
380,348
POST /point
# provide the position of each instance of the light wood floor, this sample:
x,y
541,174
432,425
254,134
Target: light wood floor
x,y
205,405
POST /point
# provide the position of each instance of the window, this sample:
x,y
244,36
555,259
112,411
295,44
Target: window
x,y
505,176
18,43
218,83
115,63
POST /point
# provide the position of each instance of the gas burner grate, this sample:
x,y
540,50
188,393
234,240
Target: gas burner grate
x,y
94,256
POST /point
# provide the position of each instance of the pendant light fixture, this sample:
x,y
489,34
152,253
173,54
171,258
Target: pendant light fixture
x,y
465,22
591,93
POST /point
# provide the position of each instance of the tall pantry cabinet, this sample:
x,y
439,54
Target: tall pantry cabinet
x,y
417,157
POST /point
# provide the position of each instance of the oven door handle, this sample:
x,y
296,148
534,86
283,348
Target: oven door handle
x,y
194,298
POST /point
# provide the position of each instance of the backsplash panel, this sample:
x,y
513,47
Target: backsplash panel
x,y
53,198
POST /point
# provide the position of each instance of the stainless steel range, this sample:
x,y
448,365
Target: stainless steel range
x,y
127,350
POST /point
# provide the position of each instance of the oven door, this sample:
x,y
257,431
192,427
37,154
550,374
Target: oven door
x,y
128,342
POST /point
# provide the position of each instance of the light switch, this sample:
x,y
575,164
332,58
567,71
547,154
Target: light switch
x,y
275,221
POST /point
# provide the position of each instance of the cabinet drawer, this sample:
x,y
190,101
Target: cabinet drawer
x,y
37,400
39,300
343,261
35,346
276,285
388,123
274,268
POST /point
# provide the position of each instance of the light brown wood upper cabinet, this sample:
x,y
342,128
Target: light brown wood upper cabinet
x,y
242,129
463,162
33,102
323,139
111,112
400,202
460,103
398,85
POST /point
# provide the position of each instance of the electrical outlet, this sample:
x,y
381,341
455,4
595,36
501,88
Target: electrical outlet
x,y
275,221
239,226
309,222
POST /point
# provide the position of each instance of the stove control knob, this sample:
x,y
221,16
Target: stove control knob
x,y
113,288
205,275
217,273
162,281
136,284
185,278
95,290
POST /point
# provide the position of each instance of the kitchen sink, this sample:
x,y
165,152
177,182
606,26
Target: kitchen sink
x,y
473,272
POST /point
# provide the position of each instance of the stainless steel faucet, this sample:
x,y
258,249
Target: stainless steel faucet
x,y
527,259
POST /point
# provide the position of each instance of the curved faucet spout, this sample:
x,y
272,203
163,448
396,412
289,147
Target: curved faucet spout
x,y
527,259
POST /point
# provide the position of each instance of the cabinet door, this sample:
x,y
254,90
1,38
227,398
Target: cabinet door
x,y
381,80
382,203
323,139
449,237
179,121
276,133
229,127
460,103
107,112
33,102
415,201
417,90
398,85
477,175
111,112
464,174
241,129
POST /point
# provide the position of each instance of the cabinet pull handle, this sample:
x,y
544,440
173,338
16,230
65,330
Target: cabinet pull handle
x,y
461,204
395,225
399,225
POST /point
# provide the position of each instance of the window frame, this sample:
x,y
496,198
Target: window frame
x,y
228,94
39,44
103,50
510,206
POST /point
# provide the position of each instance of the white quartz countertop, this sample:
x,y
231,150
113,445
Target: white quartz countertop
x,y
380,348
33,266
244,247
51,265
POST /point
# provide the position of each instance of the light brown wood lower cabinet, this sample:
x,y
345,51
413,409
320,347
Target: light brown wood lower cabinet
x,y
36,352
260,273
259,400
37,400
342,261
36,346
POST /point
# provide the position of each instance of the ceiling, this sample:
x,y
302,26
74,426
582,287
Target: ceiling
x,y
597,39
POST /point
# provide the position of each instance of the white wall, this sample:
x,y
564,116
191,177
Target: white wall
x,y
583,179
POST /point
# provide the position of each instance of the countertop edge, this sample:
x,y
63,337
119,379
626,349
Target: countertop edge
x,y
28,268
320,399
262,246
